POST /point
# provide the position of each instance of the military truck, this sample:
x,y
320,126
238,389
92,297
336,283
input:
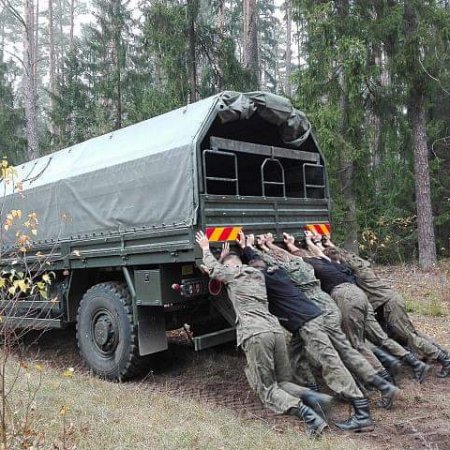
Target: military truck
x,y
118,216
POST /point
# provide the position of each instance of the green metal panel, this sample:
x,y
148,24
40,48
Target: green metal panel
x,y
257,214
148,287
32,323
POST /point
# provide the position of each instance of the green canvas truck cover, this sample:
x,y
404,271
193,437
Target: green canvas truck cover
x,y
140,177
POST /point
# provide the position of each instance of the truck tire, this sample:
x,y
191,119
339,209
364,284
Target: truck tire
x,y
106,336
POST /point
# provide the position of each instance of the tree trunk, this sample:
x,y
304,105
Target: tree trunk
x,y
346,176
417,118
29,82
425,229
192,10
118,121
250,41
2,38
36,40
72,23
52,63
288,85
221,18
346,163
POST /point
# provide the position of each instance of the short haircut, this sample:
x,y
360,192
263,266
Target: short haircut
x,y
231,256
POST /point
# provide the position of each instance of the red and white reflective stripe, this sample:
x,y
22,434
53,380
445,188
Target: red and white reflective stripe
x,y
319,228
221,234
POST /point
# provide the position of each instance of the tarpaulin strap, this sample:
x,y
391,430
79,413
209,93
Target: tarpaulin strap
x,y
220,234
319,228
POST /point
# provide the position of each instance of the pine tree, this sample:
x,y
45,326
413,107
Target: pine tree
x,y
108,40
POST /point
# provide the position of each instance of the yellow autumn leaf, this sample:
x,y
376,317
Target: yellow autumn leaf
x,y
2,282
34,232
69,372
12,290
63,410
46,278
22,284
39,367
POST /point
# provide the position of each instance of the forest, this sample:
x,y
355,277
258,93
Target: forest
x,y
372,76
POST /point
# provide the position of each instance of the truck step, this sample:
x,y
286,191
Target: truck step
x,y
32,323
215,338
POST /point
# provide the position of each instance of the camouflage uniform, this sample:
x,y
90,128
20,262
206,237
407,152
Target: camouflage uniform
x,y
355,310
259,334
302,275
321,354
390,304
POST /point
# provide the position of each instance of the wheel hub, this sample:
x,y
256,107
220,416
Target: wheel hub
x,y
104,333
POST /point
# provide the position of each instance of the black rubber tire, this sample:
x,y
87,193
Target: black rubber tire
x,y
107,306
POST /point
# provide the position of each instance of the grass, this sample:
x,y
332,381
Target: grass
x,y
431,305
82,412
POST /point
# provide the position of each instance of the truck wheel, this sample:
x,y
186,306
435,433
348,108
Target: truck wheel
x,y
107,338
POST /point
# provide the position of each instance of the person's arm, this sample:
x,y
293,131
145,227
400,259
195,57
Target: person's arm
x,y
284,259
313,248
289,242
280,254
216,270
351,259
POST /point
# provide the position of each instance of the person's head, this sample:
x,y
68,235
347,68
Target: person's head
x,y
332,253
232,259
257,263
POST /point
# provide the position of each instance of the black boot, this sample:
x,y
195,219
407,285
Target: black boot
x,y
361,420
388,391
389,361
444,359
314,423
420,369
320,403
386,376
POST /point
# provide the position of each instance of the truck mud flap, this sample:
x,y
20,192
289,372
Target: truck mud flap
x,y
151,329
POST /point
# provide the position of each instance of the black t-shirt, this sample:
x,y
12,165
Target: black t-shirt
x,y
330,274
286,302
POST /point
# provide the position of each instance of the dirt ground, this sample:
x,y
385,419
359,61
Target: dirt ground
x,y
420,418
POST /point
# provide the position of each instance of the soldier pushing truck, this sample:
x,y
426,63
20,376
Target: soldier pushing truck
x,y
120,219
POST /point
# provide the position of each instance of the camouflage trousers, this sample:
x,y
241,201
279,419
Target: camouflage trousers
x,y
352,358
400,327
359,323
269,372
320,353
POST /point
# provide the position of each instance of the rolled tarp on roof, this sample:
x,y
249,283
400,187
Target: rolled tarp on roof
x,y
139,177
293,125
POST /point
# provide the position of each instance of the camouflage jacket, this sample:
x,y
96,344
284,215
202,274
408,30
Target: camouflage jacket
x,y
378,291
247,291
302,275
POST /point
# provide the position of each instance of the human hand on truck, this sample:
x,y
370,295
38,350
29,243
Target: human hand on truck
x,y
202,240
